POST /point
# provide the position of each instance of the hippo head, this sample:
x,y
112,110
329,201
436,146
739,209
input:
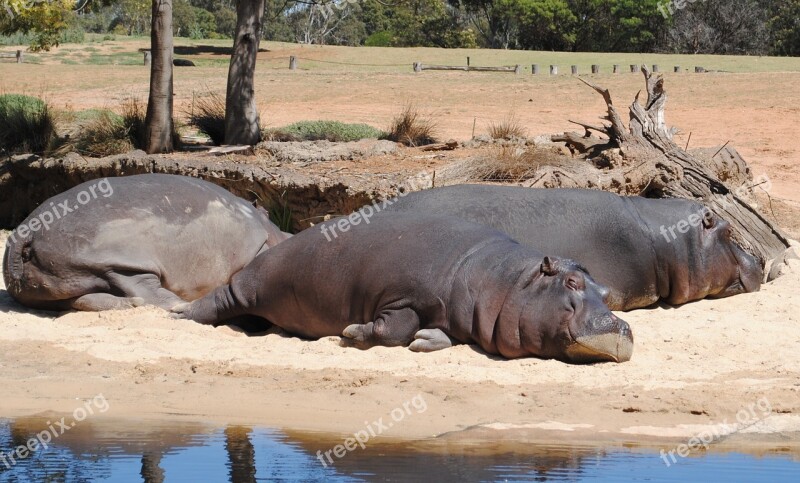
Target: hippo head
x,y
717,267
565,317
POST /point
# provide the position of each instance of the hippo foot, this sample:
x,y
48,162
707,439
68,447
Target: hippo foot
x,y
188,311
357,335
430,340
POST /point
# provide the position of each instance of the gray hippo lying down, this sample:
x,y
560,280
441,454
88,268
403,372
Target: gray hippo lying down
x,y
642,249
120,242
427,281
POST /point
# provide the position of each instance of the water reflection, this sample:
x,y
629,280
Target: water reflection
x,y
124,450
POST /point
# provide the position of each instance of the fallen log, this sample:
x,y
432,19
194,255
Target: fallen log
x,y
647,144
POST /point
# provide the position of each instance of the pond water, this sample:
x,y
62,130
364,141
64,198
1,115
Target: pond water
x,y
135,451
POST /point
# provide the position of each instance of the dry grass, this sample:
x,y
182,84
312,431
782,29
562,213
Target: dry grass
x,y
412,128
107,133
207,114
510,164
133,117
509,128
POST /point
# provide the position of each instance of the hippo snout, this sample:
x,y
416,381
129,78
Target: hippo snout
x,y
605,338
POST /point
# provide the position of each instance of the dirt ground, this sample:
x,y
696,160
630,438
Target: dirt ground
x,y
693,367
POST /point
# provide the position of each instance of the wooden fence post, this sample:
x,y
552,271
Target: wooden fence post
x,y
595,69
417,66
574,70
148,58
699,70
656,68
19,57
292,63
634,68
553,70
535,69
517,69
616,68
677,68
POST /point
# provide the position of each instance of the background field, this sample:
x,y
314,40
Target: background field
x,y
751,101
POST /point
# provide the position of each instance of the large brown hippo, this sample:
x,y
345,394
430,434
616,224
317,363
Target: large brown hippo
x,y
427,281
642,249
120,242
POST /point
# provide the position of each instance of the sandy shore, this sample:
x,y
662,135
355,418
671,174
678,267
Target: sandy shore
x,y
693,367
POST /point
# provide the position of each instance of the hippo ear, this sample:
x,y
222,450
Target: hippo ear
x,y
549,267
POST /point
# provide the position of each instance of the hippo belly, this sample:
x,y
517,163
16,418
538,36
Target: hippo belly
x,y
147,239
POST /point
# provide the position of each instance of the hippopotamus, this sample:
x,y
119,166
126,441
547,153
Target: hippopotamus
x,y
426,282
643,250
115,243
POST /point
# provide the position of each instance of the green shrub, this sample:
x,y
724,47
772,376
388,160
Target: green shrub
x,y
323,130
379,39
26,124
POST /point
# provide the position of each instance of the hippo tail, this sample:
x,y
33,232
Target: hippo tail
x,y
274,234
13,263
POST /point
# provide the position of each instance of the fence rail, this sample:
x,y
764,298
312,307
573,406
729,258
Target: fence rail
x,y
19,56
535,70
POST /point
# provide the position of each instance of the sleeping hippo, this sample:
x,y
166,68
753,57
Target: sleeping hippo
x,y
644,250
426,282
121,242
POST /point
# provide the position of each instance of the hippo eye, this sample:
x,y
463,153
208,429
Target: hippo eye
x,y
708,222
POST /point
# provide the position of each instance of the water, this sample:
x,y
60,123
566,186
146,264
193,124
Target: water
x,y
136,451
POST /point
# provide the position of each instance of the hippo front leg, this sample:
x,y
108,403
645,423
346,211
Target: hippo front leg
x,y
392,328
147,286
430,340
96,302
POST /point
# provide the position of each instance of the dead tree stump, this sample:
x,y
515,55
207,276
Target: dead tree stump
x,y
644,157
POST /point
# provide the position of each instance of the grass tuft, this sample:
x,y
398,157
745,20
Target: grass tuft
x,y
507,164
208,116
411,128
104,133
508,128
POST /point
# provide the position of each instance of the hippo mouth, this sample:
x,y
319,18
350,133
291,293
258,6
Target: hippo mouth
x,y
748,278
613,342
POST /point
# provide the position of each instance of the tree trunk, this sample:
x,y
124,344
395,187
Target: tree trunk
x,y
665,170
158,123
241,454
241,113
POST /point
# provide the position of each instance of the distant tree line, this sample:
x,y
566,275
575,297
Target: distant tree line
x,y
756,27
